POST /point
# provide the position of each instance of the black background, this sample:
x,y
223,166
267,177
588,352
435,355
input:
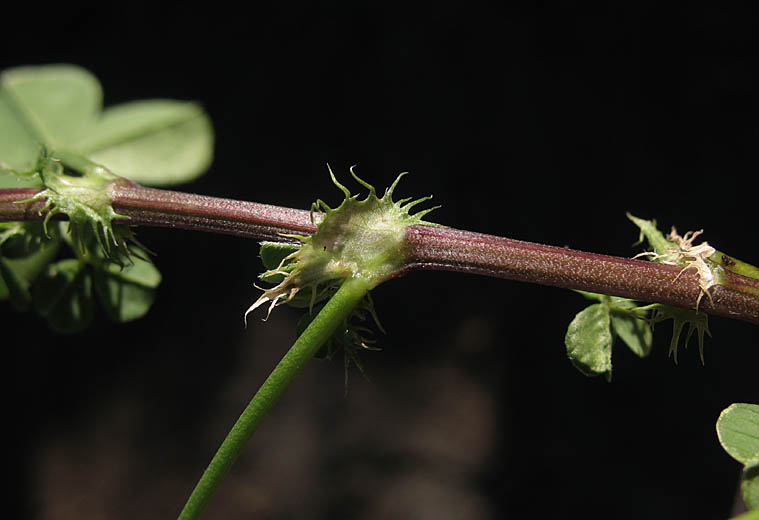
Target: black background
x,y
544,123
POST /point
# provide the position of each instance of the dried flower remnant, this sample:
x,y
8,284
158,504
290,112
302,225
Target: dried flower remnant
x,y
693,257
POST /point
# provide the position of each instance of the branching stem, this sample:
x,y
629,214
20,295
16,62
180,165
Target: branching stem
x,y
431,247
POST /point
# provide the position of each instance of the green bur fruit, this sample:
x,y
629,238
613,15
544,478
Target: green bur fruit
x,y
358,239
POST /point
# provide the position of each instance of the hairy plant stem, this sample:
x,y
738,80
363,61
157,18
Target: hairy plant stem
x,y
154,207
431,247
308,343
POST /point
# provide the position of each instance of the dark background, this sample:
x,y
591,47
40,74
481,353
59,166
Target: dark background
x,y
545,123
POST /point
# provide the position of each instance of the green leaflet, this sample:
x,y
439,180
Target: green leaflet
x,y
157,142
738,433
51,106
589,340
633,331
592,333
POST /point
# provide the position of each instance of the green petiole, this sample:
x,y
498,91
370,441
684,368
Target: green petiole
x,y
332,316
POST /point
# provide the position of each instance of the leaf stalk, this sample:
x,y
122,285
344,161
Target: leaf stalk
x,y
332,315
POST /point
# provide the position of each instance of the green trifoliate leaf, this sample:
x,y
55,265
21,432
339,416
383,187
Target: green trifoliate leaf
x,y
589,341
157,142
63,295
738,433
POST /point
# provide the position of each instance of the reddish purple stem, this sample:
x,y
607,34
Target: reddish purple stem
x,y
153,207
431,247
